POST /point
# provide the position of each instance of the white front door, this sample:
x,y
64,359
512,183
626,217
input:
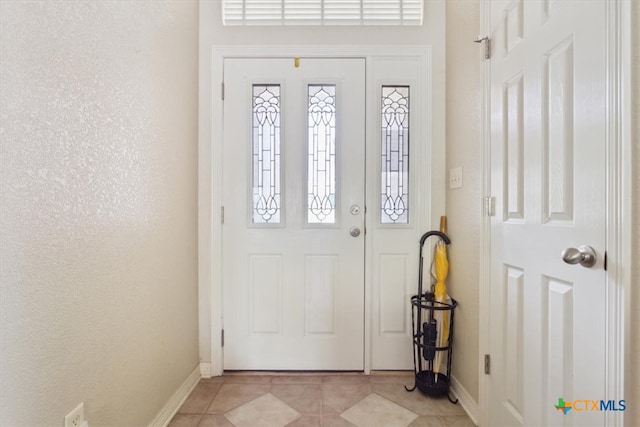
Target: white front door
x,y
293,197
547,318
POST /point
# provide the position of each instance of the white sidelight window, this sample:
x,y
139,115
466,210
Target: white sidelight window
x,y
395,155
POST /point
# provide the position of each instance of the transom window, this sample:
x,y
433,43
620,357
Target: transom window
x,y
322,12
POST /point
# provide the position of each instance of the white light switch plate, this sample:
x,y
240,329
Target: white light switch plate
x,y
455,178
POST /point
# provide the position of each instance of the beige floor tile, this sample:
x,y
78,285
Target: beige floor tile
x,y
427,421
247,379
337,398
457,421
231,396
297,379
313,396
304,398
215,421
415,401
185,420
346,379
265,411
213,380
307,421
376,411
442,406
335,421
392,379
200,398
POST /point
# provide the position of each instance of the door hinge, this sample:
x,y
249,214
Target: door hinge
x,y
222,215
606,261
487,364
489,206
487,46
222,338
222,91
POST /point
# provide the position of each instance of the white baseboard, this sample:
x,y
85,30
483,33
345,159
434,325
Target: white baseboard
x,y
469,405
173,404
205,370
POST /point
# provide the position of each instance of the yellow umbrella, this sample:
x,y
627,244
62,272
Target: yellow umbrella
x,y
441,298
442,270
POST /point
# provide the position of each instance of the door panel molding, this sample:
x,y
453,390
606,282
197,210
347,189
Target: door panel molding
x,y
210,167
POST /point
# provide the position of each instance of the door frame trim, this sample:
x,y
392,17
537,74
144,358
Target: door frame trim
x,y
210,136
484,279
618,204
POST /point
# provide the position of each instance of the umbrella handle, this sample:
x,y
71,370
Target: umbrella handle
x,y
424,237
440,234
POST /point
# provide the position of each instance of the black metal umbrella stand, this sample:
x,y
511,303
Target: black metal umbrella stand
x,y
424,308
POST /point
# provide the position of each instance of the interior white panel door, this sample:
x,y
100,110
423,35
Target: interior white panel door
x,y
293,245
548,138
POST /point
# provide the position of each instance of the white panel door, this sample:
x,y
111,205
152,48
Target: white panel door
x,y
547,317
293,261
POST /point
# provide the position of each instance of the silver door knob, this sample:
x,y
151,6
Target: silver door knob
x,y
584,255
354,231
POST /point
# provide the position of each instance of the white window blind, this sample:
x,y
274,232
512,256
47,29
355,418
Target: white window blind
x,y
322,12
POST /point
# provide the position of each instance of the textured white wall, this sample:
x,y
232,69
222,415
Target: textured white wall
x,y
98,208
463,205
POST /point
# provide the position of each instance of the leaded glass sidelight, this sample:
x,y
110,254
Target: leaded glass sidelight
x,y
395,155
266,154
321,163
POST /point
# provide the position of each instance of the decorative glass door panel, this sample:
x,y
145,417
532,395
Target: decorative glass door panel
x,y
395,155
321,166
266,154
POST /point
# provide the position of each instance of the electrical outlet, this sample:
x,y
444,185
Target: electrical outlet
x,y
455,178
75,418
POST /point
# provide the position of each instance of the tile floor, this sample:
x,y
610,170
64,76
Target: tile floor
x,y
308,400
